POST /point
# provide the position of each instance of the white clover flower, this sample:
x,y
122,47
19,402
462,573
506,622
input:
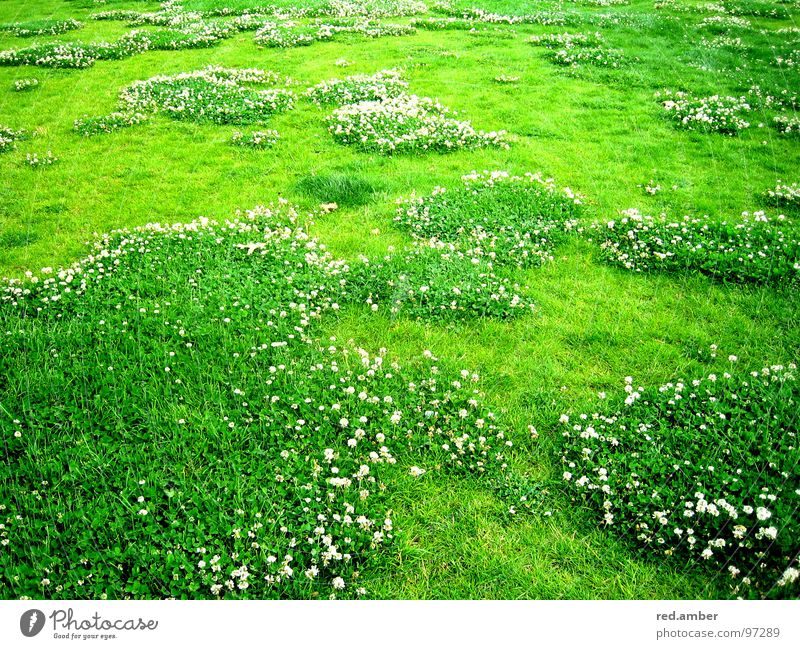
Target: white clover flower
x,y
768,532
340,482
790,575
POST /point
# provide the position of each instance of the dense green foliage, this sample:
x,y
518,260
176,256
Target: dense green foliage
x,y
650,470
282,402
751,250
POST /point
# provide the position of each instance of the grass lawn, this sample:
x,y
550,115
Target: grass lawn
x,y
174,404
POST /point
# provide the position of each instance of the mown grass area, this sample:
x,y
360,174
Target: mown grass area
x,y
454,533
601,139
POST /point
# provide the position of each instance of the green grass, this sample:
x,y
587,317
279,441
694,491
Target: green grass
x,y
601,132
344,189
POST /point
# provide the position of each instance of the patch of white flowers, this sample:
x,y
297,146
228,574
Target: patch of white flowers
x,y
9,138
479,15
446,23
784,194
382,85
791,60
29,83
722,41
500,218
293,34
89,126
787,125
725,23
52,55
715,113
371,8
576,57
567,40
435,280
126,15
213,94
255,139
41,27
174,34
407,123
37,160
84,55
602,3
754,249
575,49
783,100
716,484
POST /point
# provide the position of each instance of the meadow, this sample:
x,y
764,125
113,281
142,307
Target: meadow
x,y
394,299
